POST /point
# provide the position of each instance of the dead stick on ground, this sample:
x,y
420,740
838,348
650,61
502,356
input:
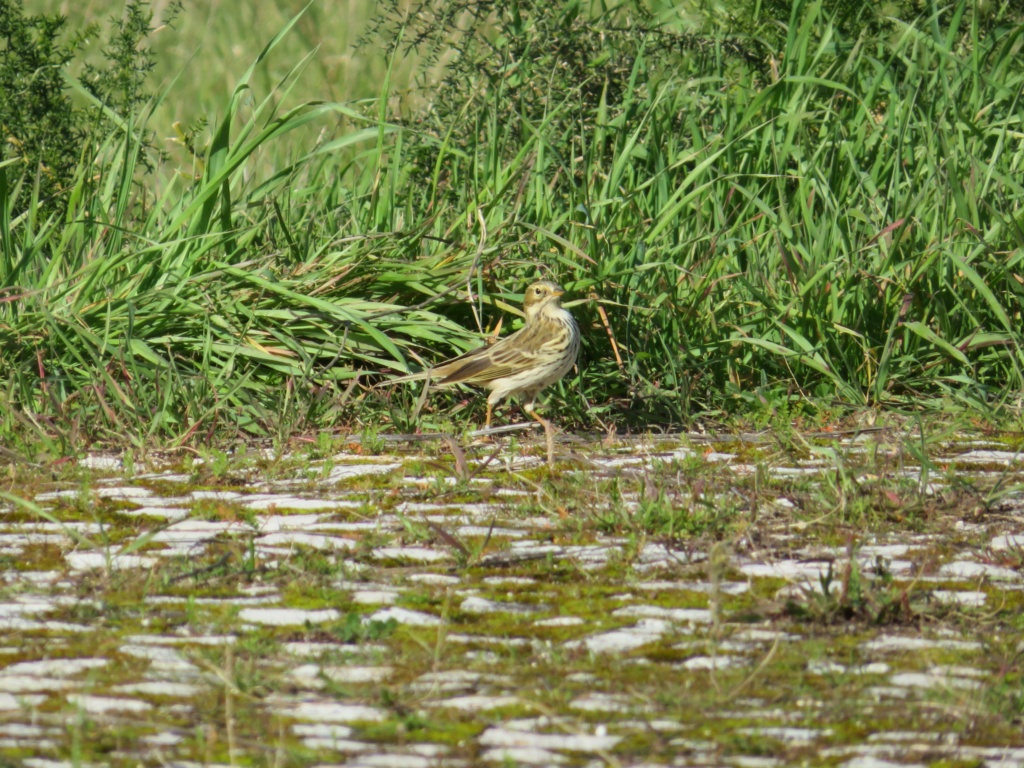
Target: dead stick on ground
x,y
611,335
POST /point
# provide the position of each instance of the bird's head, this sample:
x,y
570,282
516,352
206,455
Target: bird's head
x,y
541,295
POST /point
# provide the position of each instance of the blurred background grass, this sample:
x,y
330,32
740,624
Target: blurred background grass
x,y
765,213
200,56
213,42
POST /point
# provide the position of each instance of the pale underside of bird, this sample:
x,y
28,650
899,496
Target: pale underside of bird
x,y
523,363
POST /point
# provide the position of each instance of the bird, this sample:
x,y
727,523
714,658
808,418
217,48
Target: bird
x,y
523,363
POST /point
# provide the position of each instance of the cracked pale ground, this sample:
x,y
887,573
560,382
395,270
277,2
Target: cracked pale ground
x,y
352,611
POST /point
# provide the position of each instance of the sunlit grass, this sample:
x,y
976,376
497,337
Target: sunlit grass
x,y
842,235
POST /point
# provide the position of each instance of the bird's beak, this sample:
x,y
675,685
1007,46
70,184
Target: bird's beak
x,y
556,294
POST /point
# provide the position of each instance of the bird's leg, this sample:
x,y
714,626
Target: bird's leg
x,y
486,437
548,431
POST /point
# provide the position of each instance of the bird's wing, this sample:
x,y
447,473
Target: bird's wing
x,y
439,373
443,373
489,363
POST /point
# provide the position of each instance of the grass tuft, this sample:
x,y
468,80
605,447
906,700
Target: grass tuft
x,y
814,218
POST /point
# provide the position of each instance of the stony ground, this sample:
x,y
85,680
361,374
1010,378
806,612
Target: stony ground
x,y
675,601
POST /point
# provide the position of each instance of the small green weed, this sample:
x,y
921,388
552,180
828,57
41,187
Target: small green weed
x,y
850,596
353,629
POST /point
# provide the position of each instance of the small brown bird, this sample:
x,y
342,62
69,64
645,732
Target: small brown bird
x,y
532,358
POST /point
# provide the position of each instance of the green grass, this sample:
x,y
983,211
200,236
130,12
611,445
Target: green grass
x,y
835,231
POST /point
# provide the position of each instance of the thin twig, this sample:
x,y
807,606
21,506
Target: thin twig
x,y
477,314
611,335
229,704
760,667
502,430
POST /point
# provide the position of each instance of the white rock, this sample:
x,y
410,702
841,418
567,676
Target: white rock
x,y
481,605
57,667
70,493
17,624
499,736
183,639
19,684
605,702
324,730
101,705
989,457
89,561
333,712
477,702
440,579
790,569
332,743
163,660
754,761
712,662
167,513
690,615
160,688
966,569
348,471
164,739
523,756
128,492
191,531
788,735
16,702
25,605
277,523
952,597
451,680
1011,541
283,501
626,639
286,617
106,463
931,680
560,621
215,495
869,761
313,675
897,643
384,760
405,616
414,554
311,540
374,597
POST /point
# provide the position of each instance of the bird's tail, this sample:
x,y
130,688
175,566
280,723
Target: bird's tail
x,y
411,377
